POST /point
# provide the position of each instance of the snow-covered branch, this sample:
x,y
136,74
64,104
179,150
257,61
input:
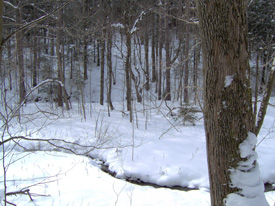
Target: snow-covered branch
x,y
10,4
134,28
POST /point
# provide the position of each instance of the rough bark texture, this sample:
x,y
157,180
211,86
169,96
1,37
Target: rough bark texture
x,y
227,97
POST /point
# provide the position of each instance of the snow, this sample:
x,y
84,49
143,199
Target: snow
x,y
134,28
228,80
118,25
160,154
75,180
10,4
246,177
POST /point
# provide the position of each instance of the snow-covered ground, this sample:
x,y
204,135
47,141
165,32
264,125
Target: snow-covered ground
x,y
152,149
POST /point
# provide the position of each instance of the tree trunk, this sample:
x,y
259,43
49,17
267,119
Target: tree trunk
x,y
19,40
110,67
61,73
127,19
256,93
127,70
262,87
35,62
227,96
146,51
160,59
98,52
85,59
1,34
153,56
168,61
186,52
195,72
102,68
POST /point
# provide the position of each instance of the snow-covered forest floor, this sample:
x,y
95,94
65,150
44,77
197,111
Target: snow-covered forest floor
x,y
154,148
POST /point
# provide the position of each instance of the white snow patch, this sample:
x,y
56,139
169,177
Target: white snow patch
x,y
246,177
228,80
118,25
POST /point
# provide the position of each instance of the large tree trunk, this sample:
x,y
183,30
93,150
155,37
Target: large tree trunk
x,y
227,96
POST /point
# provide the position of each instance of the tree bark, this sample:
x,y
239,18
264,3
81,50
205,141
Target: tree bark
x,y
127,71
110,67
1,33
228,113
153,54
146,51
127,22
102,65
168,61
35,62
85,59
19,40
186,54
160,59
61,73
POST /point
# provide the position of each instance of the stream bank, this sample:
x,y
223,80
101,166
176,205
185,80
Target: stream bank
x,y
105,168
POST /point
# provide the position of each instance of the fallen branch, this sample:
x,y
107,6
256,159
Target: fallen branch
x,y
20,192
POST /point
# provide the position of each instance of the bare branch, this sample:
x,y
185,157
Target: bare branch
x,y
34,22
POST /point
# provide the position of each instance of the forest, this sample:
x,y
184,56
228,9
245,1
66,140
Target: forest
x,y
160,93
